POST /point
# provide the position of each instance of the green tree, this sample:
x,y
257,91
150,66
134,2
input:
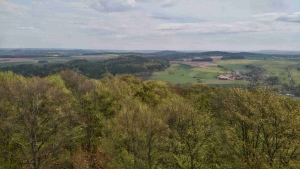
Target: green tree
x,y
262,128
189,136
135,134
35,119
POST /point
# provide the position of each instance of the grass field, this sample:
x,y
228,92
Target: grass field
x,y
184,74
295,73
273,67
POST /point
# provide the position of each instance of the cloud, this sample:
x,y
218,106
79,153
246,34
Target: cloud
x,y
266,16
127,5
283,17
289,18
278,4
169,3
6,6
171,27
176,18
99,32
142,23
13,15
208,28
161,3
113,5
28,27
11,9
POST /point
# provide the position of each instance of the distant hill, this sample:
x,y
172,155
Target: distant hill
x,y
278,52
167,52
174,55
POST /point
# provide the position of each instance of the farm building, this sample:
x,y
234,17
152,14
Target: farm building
x,y
222,77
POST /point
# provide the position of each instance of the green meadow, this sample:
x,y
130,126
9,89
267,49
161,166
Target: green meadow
x,y
273,67
295,73
184,74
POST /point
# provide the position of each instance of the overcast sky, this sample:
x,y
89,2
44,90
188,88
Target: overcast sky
x,y
151,24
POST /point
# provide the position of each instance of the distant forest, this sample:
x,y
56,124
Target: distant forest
x,y
232,57
136,65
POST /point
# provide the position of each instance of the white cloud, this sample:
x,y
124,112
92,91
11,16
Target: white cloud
x,y
169,3
266,16
176,18
216,28
290,18
172,26
6,6
10,9
113,5
161,3
138,24
284,17
28,27
127,5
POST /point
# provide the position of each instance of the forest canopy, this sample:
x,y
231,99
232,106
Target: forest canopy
x,y
67,120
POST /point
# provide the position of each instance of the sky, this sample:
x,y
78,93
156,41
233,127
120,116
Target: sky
x,y
241,25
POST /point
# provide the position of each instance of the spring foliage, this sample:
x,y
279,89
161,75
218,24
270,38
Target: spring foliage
x,y
69,121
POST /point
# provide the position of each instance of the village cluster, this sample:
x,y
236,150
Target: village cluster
x,y
230,77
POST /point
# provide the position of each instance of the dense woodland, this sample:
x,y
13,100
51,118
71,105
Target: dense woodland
x,y
136,65
232,57
202,60
67,120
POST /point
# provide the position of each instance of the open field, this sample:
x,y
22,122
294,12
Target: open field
x,y
220,82
185,74
17,61
267,64
182,74
216,58
273,67
295,73
200,64
207,72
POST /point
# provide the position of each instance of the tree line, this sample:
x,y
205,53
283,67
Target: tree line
x,y
232,57
136,65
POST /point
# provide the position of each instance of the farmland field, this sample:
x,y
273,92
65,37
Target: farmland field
x,y
273,67
185,74
196,73
295,73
